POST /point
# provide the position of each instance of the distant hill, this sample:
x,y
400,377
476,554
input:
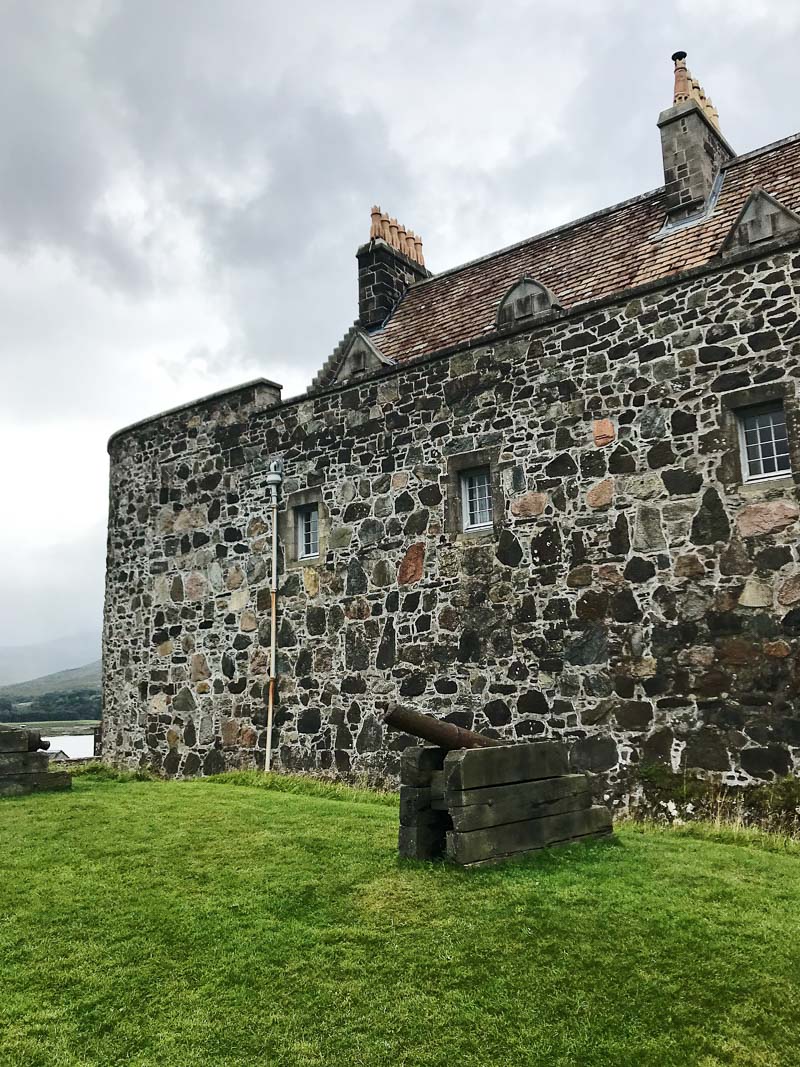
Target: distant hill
x,y
86,677
18,663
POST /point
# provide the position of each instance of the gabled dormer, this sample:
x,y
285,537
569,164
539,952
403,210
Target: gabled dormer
x,y
526,299
354,357
763,218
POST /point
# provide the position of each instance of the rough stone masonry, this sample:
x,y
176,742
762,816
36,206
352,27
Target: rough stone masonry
x,y
636,594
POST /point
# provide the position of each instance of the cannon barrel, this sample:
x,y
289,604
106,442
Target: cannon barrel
x,y
35,741
428,728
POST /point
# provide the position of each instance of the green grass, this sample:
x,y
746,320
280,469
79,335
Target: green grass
x,y
195,923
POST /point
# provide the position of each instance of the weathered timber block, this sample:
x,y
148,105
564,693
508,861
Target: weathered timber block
x,y
22,762
12,740
16,739
421,842
418,763
516,837
475,768
479,816
495,860
414,801
14,785
540,791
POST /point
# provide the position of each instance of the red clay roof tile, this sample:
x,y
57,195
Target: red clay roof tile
x,y
589,259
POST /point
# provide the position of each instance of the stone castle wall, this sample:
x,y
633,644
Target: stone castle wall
x,y
634,598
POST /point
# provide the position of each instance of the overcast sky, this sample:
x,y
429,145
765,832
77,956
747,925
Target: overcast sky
x,y
184,183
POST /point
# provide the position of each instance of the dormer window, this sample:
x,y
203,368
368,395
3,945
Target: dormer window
x,y
526,299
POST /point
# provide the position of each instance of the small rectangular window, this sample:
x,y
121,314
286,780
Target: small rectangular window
x,y
476,498
307,531
763,441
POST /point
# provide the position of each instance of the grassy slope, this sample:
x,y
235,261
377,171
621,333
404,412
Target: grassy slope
x,y
197,923
85,677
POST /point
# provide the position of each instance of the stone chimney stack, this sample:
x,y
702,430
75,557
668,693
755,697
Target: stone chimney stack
x,y
691,144
388,264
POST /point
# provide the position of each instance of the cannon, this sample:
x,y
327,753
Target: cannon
x,y
475,800
443,734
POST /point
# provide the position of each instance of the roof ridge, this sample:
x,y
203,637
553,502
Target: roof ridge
x,y
756,152
564,227
652,193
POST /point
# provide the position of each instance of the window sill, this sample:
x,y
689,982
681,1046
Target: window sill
x,y
483,533
306,561
760,486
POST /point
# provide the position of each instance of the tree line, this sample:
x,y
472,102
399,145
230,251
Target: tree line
x,y
52,707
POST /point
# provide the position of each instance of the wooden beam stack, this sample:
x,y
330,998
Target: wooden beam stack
x,y
486,805
23,769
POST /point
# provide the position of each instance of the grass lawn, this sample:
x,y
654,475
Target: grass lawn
x,y
184,923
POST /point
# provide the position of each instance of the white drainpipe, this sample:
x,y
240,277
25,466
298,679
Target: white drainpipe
x,y
274,480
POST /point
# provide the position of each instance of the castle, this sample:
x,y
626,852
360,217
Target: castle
x,y
549,493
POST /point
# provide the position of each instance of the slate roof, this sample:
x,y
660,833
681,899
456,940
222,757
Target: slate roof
x,y
592,258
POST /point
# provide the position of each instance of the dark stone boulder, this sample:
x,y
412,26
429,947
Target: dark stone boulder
x,y
589,647
765,762
315,620
706,750
634,715
624,606
470,646
638,569
356,649
594,754
370,736
356,582
387,649
413,685
532,703
711,523
619,539
546,546
214,763
657,748
561,467
191,765
497,712
509,550
679,482
184,701
309,721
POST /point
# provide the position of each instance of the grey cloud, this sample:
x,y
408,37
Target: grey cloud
x,y
183,185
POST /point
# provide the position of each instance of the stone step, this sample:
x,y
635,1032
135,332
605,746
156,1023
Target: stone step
x,y
14,785
513,838
474,768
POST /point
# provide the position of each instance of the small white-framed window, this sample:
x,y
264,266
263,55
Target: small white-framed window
x,y
306,524
476,498
763,441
